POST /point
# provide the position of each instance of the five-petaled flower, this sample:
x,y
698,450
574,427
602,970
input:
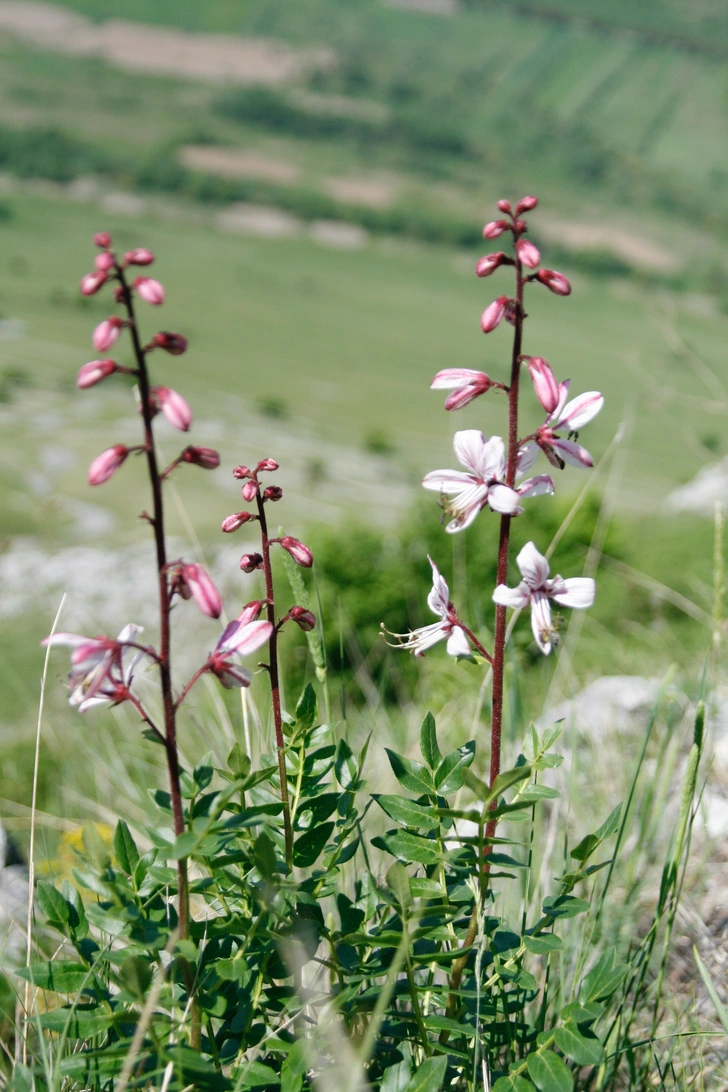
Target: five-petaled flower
x,y
483,484
419,640
239,638
99,675
537,588
571,416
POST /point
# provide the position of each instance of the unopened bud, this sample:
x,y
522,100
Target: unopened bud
x,y
118,294
93,372
250,491
251,612
106,333
556,282
151,291
174,407
488,264
544,382
493,314
267,464
526,204
203,591
304,618
91,283
140,256
494,228
242,472
300,553
206,457
250,562
237,519
272,493
504,206
528,253
175,344
106,464
104,262
102,239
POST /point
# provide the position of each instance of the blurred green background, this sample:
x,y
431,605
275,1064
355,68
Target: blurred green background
x,y
314,178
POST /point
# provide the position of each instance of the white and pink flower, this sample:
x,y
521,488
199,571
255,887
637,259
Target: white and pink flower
x,y
465,384
571,416
419,640
239,638
99,674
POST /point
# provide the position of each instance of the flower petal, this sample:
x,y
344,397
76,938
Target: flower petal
x,y
579,593
526,458
580,410
447,481
541,621
572,453
533,487
493,460
563,395
533,565
503,499
456,377
247,638
512,597
457,643
468,446
439,596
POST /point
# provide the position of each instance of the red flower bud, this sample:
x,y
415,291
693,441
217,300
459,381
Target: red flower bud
x,y
242,472
267,464
493,314
104,261
206,457
106,333
174,407
304,618
528,253
488,264
106,464
504,206
102,239
556,282
94,372
272,493
526,204
237,519
493,229
250,490
91,283
140,256
300,553
251,612
250,562
175,344
151,291
202,589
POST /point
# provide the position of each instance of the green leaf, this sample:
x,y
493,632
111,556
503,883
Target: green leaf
x,y
582,1014
450,773
345,766
79,1023
125,850
564,906
409,847
255,1075
60,976
308,847
295,1066
22,1079
238,762
396,1077
428,744
52,904
135,975
184,844
581,1048
603,979
718,1005
549,1073
610,825
405,811
306,708
506,779
77,921
552,733
538,792
512,1084
203,772
543,943
585,848
444,1023
399,884
429,1075
265,855
548,761
411,775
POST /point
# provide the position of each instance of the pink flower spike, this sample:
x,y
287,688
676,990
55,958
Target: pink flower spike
x,y
300,553
174,407
235,521
206,457
140,256
465,384
151,291
91,283
526,204
489,264
106,464
503,205
303,618
554,281
93,372
106,333
104,262
204,592
528,253
250,562
494,228
493,314
544,382
102,239
418,641
249,491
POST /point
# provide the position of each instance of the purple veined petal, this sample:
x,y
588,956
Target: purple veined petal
x,y
419,640
503,499
247,638
533,487
572,453
447,481
67,640
456,377
541,621
466,507
468,446
227,634
493,460
563,395
464,395
439,596
533,565
526,458
580,410
512,597
457,643
579,593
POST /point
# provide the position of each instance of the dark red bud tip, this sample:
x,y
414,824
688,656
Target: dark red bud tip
x,y
102,239
267,464
206,457
242,472
175,344
504,206
250,562
302,617
272,493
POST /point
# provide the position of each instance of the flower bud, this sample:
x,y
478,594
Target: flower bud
x,y
526,204
102,239
267,464
528,253
304,618
151,291
520,226
91,283
203,591
250,491
250,612
174,407
493,314
119,295
242,472
544,382
250,562
140,256
237,519
503,205
494,228
94,372
106,333
488,264
206,457
272,493
104,262
175,344
106,464
556,282
300,553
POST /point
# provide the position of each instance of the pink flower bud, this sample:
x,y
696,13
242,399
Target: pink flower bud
x,y
250,490
556,282
91,283
504,206
140,256
544,381
250,562
203,591
104,262
102,239
300,553
488,264
520,226
272,493
493,314
237,519
175,344
526,204
106,333
528,253
151,291
206,457
494,228
94,372
106,464
251,612
119,296
174,407
267,464
304,618
242,472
